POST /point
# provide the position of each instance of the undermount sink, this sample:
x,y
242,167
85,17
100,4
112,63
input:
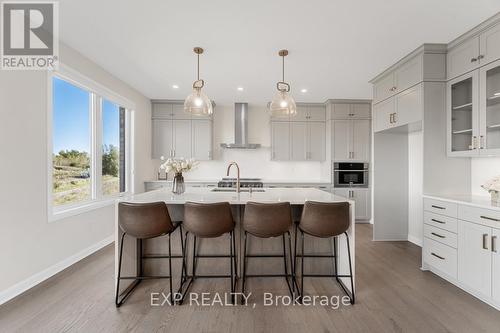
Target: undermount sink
x,y
232,189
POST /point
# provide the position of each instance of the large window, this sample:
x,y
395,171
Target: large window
x,y
90,133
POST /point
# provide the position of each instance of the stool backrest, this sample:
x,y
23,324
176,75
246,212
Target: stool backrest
x,y
208,219
144,220
267,219
323,219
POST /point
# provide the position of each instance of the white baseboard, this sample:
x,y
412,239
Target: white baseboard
x,y
415,240
33,280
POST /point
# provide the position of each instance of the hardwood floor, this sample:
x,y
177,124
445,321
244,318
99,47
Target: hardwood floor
x,y
393,295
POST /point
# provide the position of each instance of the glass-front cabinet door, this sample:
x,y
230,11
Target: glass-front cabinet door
x,y
463,135
489,106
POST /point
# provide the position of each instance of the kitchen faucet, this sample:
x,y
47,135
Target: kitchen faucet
x,y
237,176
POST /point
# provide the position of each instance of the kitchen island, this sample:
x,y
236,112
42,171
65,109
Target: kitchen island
x,y
296,196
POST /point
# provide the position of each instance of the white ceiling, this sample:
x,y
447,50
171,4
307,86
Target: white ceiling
x,y
335,46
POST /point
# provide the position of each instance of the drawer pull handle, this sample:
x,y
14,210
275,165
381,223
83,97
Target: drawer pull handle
x,y
437,256
437,221
437,207
490,218
494,244
485,241
437,235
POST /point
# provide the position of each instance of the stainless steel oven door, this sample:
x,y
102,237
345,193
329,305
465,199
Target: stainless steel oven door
x,y
350,178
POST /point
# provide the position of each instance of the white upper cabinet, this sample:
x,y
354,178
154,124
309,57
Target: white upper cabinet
x,y
306,112
162,138
463,58
489,106
175,135
382,115
384,88
408,106
408,74
351,111
316,141
341,140
201,139
360,146
280,141
474,52
489,45
299,137
182,139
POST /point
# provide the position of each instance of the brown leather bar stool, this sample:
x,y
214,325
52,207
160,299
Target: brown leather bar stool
x,y
325,220
145,221
210,220
267,220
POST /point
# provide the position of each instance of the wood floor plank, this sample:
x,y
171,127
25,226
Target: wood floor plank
x,y
393,295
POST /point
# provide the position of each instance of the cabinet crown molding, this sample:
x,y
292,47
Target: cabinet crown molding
x,y
495,19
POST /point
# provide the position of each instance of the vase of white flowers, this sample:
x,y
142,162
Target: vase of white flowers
x,y
178,166
493,187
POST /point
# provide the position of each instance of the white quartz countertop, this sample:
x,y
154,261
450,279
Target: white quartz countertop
x,y
471,200
265,181
296,196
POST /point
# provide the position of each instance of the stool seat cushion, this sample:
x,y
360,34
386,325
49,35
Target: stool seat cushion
x,y
322,219
144,220
267,219
208,219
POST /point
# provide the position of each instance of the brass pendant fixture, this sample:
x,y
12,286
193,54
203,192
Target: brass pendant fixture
x,y
198,102
283,104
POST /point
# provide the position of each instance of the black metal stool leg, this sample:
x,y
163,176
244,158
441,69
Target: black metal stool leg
x,y
350,268
170,268
119,272
194,258
183,273
292,268
302,267
235,261
231,265
244,263
295,257
335,260
286,267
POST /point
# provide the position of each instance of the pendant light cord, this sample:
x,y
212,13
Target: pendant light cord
x,y
283,58
198,55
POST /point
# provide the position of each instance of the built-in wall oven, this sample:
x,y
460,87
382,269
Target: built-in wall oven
x,y
346,174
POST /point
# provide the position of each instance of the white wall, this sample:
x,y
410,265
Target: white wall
x,y
482,170
415,181
252,162
29,244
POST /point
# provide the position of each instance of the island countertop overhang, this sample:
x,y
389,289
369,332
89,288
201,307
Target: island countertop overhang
x,y
296,196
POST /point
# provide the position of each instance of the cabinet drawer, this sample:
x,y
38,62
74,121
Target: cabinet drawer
x,y
441,221
440,235
479,215
382,114
384,88
441,257
441,207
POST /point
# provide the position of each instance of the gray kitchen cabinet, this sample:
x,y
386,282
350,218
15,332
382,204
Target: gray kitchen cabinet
x,y
310,112
182,139
162,138
201,139
473,52
280,141
351,140
341,140
383,88
361,198
299,141
176,135
316,141
463,58
351,111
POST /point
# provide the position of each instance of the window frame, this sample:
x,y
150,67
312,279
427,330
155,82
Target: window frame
x,y
97,93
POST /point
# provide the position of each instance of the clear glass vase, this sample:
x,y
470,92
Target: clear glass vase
x,y
495,197
178,186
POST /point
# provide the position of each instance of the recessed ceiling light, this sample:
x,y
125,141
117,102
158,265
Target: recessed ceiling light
x,y
303,90
175,86
240,88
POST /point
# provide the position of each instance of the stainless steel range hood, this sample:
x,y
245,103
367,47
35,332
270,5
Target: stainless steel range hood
x,y
240,129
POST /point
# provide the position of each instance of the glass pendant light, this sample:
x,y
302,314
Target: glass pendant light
x,y
283,104
198,103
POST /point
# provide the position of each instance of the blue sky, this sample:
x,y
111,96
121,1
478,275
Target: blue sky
x,y
71,118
